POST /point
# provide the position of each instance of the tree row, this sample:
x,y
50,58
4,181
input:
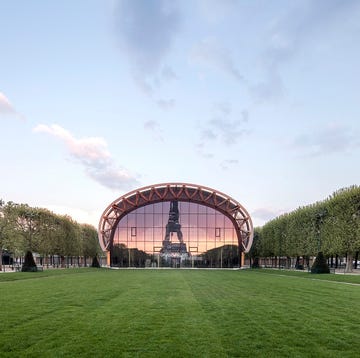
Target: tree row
x,y
24,228
331,226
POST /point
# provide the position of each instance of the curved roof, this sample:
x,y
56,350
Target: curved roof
x,y
176,191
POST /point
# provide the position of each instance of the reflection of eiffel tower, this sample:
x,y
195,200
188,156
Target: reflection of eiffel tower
x,y
171,227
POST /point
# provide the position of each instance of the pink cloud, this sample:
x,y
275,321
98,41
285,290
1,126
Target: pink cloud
x,y
6,108
93,154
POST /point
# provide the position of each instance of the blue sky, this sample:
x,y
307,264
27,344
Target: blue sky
x,y
257,99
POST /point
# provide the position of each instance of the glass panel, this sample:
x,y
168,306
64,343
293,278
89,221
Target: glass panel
x,y
184,220
210,234
158,208
229,235
149,220
158,234
193,209
193,234
202,209
202,234
123,222
219,218
149,233
122,235
141,210
185,232
140,219
140,232
158,220
202,220
184,206
193,221
211,221
149,209
228,223
131,219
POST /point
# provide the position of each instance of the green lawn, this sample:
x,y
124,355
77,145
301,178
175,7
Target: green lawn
x,y
178,313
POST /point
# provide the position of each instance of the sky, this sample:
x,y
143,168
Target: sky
x,y
257,99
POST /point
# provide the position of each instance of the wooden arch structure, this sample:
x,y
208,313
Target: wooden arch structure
x,y
180,192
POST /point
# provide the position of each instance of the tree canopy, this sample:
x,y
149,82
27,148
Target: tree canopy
x,y
24,228
331,226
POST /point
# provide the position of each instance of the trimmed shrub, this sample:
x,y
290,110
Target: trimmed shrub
x,y
95,262
320,265
29,264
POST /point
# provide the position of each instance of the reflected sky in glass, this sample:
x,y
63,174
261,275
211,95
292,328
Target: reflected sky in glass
x,y
203,228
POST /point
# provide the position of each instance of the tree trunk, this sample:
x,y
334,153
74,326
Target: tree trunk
x,y
356,259
1,258
349,262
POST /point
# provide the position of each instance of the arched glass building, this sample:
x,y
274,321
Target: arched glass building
x,y
175,225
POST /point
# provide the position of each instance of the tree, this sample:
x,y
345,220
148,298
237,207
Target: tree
x,y
90,242
27,224
10,238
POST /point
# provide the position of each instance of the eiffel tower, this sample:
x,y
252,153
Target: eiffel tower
x,y
173,226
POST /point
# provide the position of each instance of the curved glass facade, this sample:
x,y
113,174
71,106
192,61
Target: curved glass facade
x,y
175,234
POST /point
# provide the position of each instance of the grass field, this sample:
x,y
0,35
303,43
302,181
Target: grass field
x,y
178,313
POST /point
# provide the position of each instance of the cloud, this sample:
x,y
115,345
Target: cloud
x,y
146,30
271,88
227,163
209,134
222,127
166,103
7,109
290,33
223,107
153,127
212,54
334,138
306,20
93,154
200,148
230,131
168,74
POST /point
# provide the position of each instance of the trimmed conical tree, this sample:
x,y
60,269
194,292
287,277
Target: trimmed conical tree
x,y
95,262
320,265
29,264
